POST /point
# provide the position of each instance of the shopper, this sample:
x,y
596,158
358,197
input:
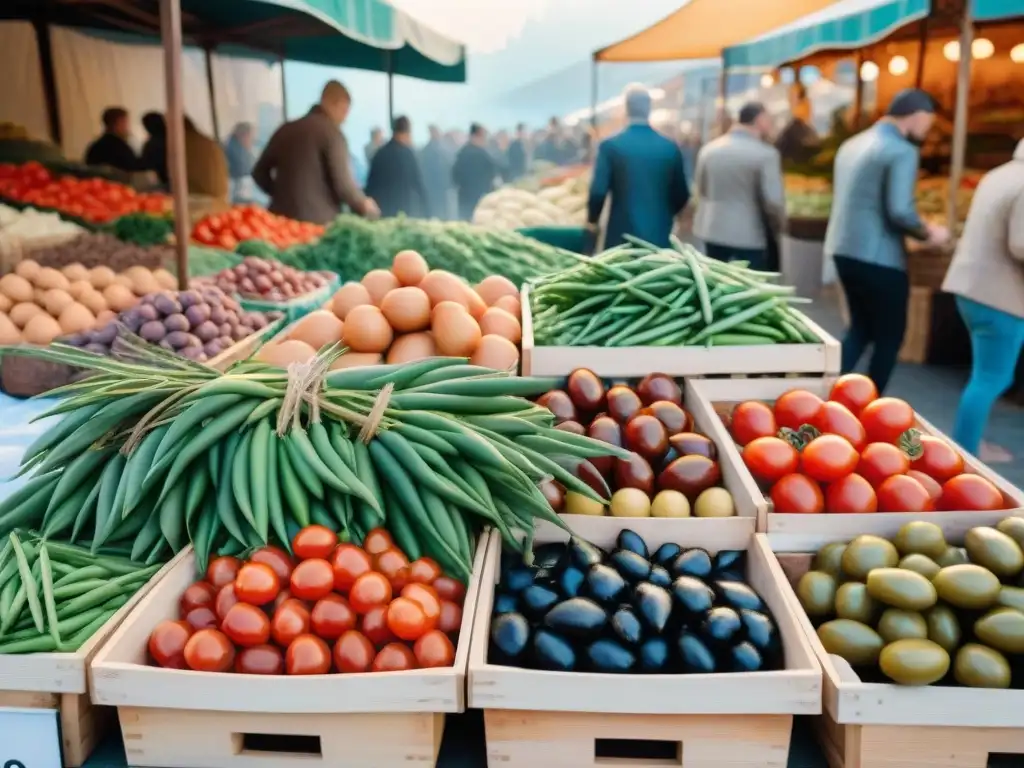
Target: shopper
x,y
395,180
375,143
474,171
239,151
518,154
987,277
741,203
873,210
643,172
205,164
112,149
305,167
154,151
436,164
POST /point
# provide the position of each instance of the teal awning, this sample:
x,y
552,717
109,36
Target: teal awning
x,y
998,10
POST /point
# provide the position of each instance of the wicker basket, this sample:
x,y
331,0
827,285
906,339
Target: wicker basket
x,y
28,377
919,326
927,266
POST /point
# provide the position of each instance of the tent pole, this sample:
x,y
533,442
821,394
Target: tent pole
x,y
723,84
213,93
284,94
45,48
858,99
391,90
170,35
963,87
593,94
922,52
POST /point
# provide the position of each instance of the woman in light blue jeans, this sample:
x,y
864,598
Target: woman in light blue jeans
x,y
987,277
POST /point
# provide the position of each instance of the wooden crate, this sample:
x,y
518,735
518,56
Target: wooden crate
x,y
579,720
776,359
919,326
711,397
204,720
877,725
60,681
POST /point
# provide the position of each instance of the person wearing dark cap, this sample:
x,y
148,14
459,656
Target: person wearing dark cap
x,y
741,205
474,171
395,180
873,210
112,150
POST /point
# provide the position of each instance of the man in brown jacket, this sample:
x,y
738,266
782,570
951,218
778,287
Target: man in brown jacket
x,y
305,166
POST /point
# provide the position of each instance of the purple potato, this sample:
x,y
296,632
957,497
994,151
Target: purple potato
x,y
166,345
152,330
231,305
213,348
206,331
218,315
197,314
178,339
189,298
99,349
225,341
193,353
106,334
146,312
225,328
256,320
240,332
177,322
167,305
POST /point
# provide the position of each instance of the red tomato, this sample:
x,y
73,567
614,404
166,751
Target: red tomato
x,y
223,570
797,494
886,418
377,541
225,599
227,242
930,484
278,560
256,584
448,588
836,419
901,493
353,652
938,459
854,390
332,617
796,408
395,566
424,571
828,458
769,458
209,650
851,494
291,619
394,657
970,492
428,600
307,655
349,563
202,617
752,420
246,625
260,660
407,619
312,580
167,643
196,596
879,461
282,596
314,541
375,626
434,649
450,619
369,590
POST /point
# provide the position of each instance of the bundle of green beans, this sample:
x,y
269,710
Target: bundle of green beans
x,y
54,597
641,295
167,451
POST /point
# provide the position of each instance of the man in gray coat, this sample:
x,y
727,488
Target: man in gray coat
x,y
305,166
740,196
874,208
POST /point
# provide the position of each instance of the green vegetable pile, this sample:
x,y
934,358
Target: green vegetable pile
x,y
143,229
209,261
641,295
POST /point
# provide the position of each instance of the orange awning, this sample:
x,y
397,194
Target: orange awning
x,y
702,28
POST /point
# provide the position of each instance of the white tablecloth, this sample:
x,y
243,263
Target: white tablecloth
x,y
16,434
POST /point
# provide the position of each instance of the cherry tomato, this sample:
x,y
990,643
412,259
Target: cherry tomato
x,y
938,459
886,418
353,652
246,625
424,571
836,419
769,458
260,660
278,560
796,408
797,494
307,655
854,390
969,492
375,626
312,580
450,619
851,494
290,620
752,420
434,649
901,493
332,617
879,461
448,588
828,458
395,566
223,570
349,563
377,541
407,619
283,596
370,590
427,598
202,617
257,584
167,643
394,657
314,541
930,484
197,595
209,650
225,599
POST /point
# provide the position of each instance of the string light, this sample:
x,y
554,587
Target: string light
x,y
951,50
982,48
899,65
767,81
1017,54
869,71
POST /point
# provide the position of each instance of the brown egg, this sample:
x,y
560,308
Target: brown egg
x,y
510,304
495,287
586,472
410,347
318,329
501,323
690,475
378,282
692,444
409,267
560,404
647,436
356,360
407,309
282,354
366,330
496,352
586,390
554,492
456,333
444,286
348,297
623,403
659,386
675,418
607,430
634,472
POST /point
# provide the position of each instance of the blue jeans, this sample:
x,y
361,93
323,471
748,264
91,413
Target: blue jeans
x,y
996,341
756,256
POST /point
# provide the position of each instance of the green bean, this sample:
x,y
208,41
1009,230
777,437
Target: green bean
x,y
731,322
29,582
48,598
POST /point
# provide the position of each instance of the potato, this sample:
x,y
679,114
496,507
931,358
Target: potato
x,y
578,504
51,278
630,502
714,502
21,313
16,288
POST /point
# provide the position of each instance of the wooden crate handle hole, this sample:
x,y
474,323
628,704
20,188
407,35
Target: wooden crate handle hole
x,y
637,752
273,744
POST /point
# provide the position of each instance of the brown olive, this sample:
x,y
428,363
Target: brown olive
x,y
623,403
659,386
571,426
690,475
588,473
647,436
634,472
690,444
554,493
560,404
607,430
586,390
675,418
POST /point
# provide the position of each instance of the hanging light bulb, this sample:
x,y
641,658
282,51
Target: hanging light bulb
x,y
898,65
982,48
767,81
1017,54
951,50
869,71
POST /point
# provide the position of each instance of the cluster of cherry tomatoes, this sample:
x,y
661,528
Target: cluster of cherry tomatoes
x,y
95,200
251,222
855,452
333,607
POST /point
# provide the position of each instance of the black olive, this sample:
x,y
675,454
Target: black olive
x,y
609,656
632,541
505,603
631,566
694,654
626,625
509,634
570,580
694,596
578,617
604,584
721,625
654,604
654,654
738,595
583,554
537,599
660,577
666,554
745,658
692,562
551,651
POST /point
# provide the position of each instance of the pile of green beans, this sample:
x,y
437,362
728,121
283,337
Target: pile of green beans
x,y
54,597
641,295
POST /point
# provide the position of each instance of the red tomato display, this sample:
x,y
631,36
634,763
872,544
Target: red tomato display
x,y
247,222
450,619
428,600
256,584
886,418
434,649
349,563
332,617
828,458
407,619
879,461
202,617
375,626
260,660
836,419
929,483
424,571
970,492
222,570
854,390
395,566
209,650
797,494
197,595
377,541
448,588
314,541
370,590
291,619
246,625
167,643
851,494
279,561
796,408
938,459
225,599
752,420
353,653
394,657
307,655
769,458
312,580
901,493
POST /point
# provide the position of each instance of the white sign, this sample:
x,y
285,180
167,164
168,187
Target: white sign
x,y
29,738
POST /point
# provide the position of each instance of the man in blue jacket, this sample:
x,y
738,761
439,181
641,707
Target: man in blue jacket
x,y
643,172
